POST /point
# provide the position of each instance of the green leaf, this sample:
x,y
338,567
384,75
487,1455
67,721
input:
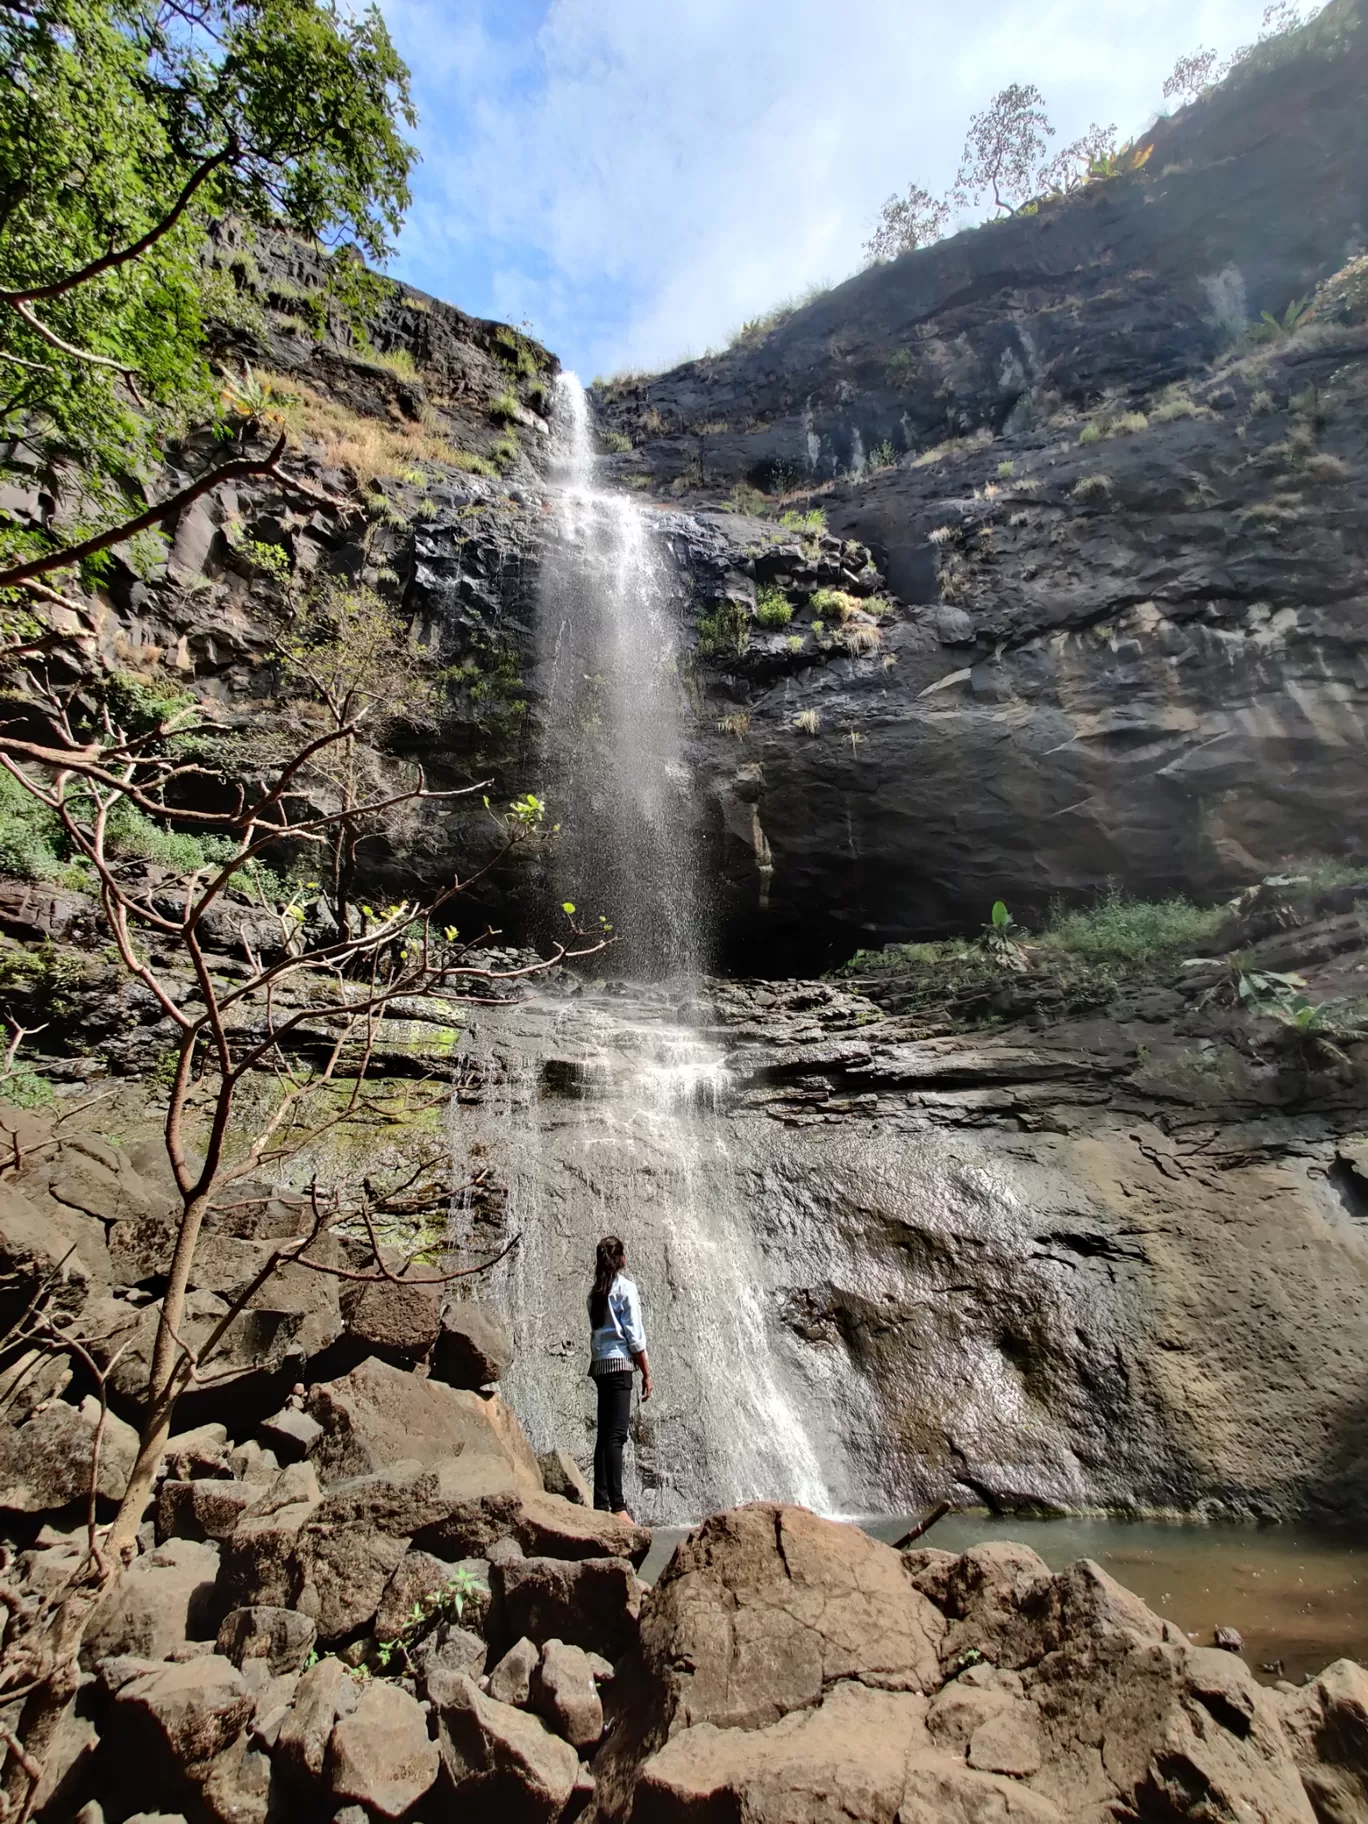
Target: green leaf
x,y
567,905
1001,916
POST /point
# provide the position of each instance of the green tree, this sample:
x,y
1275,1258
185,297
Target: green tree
x,y
126,126
907,222
1003,149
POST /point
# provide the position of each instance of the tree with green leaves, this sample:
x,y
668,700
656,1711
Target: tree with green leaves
x,y
127,126
1004,148
907,222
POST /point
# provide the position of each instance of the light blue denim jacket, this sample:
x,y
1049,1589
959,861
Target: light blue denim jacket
x,y
623,1334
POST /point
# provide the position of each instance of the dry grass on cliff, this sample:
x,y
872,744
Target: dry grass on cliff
x,y
373,449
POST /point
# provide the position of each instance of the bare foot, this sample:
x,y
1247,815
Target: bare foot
x,y
624,1516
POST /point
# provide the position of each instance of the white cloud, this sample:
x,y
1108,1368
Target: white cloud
x,y
638,178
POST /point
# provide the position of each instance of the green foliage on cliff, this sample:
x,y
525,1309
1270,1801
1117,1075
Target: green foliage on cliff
x,y
772,606
1131,930
126,127
724,632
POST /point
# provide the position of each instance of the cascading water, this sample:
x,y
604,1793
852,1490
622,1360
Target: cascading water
x,y
599,1113
612,723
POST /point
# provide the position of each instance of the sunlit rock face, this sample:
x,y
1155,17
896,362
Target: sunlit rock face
x,y
880,1271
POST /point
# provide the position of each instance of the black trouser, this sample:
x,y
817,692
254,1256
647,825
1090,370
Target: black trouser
x,y
614,1416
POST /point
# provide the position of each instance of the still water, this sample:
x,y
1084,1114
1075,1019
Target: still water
x,y
1296,1595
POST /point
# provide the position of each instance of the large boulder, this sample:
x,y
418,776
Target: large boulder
x,y
422,1582
501,1762
562,1476
474,1348
378,1413
208,1509
565,1695
1326,1723
154,1606
258,1565
380,1755
590,1602
325,1693
41,1238
237,1786
763,1607
281,1638
847,1759
45,1463
791,1669
543,1524
194,1710
392,1316
331,1556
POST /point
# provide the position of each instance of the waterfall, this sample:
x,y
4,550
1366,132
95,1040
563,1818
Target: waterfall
x,y
612,716
604,1111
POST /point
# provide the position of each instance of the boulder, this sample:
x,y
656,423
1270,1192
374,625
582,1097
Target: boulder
x,y
511,1680
195,1710
330,1556
201,1510
1326,1725
590,1602
473,1347
562,1476
1145,1727
67,1761
42,1238
417,1580
501,1762
103,1182
765,1606
1003,1600
248,1462
342,1573
847,1758
542,1524
325,1693
370,1414
45,1463
380,1755
258,1565
291,1433
448,1649
391,1316
259,1346
282,1638
565,1695
155,1605
237,1787
201,1452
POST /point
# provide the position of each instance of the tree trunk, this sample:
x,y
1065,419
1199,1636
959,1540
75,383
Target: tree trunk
x,y
164,1382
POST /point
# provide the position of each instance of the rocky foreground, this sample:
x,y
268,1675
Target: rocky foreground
x,y
373,1600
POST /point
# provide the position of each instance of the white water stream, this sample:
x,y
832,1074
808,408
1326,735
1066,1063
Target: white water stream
x,y
600,1113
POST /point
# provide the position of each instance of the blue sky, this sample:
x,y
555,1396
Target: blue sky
x,y
634,178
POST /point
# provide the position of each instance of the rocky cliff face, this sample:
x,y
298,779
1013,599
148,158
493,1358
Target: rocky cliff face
x,y
1122,537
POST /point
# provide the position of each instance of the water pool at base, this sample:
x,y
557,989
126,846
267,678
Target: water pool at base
x,y
1297,1595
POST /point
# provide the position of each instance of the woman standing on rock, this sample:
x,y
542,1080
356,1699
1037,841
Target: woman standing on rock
x,y
618,1341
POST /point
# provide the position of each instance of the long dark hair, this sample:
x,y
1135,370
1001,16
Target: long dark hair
x,y
608,1263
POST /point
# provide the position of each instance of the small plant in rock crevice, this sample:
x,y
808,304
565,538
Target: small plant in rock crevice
x,y
772,606
999,938
724,632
